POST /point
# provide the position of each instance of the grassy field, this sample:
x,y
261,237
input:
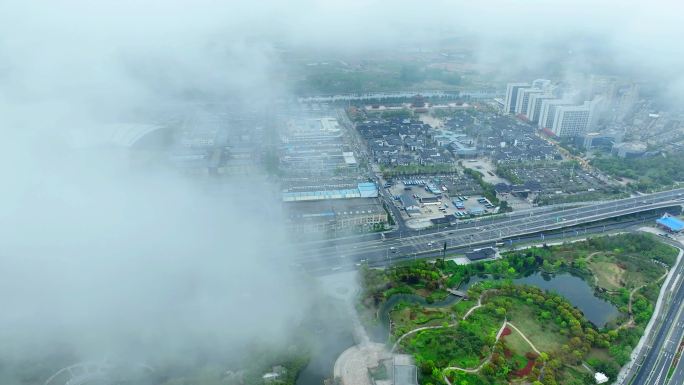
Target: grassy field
x,y
406,318
627,271
545,336
461,307
608,274
598,354
464,345
575,375
516,343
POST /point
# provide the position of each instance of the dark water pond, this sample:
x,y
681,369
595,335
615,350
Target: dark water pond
x,y
597,310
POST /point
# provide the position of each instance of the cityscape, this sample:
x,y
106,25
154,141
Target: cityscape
x,y
241,194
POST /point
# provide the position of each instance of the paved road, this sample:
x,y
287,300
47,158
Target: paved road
x,y
654,361
333,255
678,376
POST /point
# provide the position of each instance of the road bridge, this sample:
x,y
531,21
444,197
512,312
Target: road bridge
x,y
324,256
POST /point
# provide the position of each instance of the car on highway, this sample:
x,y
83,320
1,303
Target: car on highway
x,y
393,249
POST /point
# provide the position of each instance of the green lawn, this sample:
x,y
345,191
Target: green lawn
x,y
608,274
462,306
464,345
516,343
407,318
545,336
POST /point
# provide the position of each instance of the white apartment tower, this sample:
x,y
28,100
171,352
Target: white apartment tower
x,y
523,100
572,120
535,105
547,112
512,96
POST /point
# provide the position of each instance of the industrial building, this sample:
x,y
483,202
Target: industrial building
x,y
335,215
670,223
322,192
316,147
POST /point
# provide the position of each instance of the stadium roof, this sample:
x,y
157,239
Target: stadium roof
x,y
672,223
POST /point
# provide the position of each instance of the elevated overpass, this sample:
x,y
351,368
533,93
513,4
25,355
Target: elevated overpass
x,y
329,256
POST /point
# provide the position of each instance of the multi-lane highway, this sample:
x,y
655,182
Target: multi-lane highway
x,y
332,255
678,375
652,364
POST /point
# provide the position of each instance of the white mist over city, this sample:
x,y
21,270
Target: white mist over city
x,y
341,192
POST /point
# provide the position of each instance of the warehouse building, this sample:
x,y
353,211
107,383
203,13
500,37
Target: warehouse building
x,y
315,193
336,215
670,223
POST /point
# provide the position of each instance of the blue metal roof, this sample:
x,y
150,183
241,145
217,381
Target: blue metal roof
x,y
672,223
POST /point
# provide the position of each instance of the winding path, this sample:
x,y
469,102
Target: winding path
x,y
477,369
630,321
525,338
467,314
396,344
498,336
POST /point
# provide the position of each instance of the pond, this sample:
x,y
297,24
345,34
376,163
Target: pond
x,y
597,310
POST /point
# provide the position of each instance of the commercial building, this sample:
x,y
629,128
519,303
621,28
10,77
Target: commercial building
x,y
590,140
629,149
511,100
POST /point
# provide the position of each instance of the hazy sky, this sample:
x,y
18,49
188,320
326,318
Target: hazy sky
x,y
96,254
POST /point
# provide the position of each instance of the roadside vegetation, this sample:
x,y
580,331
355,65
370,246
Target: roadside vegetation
x,y
545,339
487,188
646,173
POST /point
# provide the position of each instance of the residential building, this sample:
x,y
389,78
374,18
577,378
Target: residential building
x,y
572,121
523,99
535,105
548,112
510,102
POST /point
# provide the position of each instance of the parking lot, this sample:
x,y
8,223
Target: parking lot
x,y
436,197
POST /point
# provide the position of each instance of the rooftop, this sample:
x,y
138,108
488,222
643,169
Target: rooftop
x,y
672,223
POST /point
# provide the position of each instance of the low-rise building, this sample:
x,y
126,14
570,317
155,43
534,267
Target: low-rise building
x,y
629,149
671,223
479,254
335,215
